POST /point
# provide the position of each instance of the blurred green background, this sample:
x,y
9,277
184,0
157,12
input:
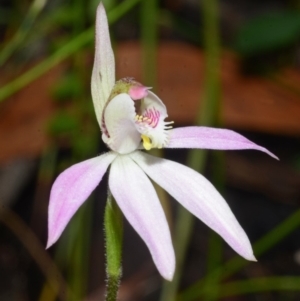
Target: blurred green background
x,y
226,63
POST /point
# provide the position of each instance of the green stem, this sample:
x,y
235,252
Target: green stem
x,y
113,229
79,251
64,52
215,246
210,114
207,116
24,30
285,283
254,285
82,223
149,41
182,235
148,23
37,251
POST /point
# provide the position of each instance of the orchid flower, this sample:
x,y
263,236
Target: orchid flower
x,y
132,120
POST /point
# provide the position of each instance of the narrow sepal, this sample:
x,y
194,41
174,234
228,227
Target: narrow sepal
x,y
138,201
198,196
71,188
211,138
103,75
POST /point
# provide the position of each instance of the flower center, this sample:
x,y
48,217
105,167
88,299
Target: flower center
x,y
149,119
153,128
134,115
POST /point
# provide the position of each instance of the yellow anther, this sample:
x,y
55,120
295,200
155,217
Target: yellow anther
x,y
147,142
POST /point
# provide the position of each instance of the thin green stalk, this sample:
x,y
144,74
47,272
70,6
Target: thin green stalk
x,y
214,257
215,246
71,250
265,284
210,114
255,285
207,116
45,173
37,251
45,176
48,63
182,234
149,40
113,228
24,30
82,223
149,36
78,247
68,49
237,263
109,4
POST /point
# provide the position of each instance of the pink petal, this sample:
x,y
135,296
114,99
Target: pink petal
x,y
103,75
138,91
211,138
138,201
71,188
119,117
198,196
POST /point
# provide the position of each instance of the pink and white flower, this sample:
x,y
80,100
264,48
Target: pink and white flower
x,y
132,119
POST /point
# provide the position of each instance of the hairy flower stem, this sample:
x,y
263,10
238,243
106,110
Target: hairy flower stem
x,y
113,283
113,228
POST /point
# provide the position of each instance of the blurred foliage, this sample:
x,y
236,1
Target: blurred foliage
x,y
296,162
68,87
52,31
269,41
268,32
63,124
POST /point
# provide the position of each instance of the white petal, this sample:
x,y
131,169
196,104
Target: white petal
x,y
138,201
153,101
119,117
103,75
198,196
211,138
71,188
154,127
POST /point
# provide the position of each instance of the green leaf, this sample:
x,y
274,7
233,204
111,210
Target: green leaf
x,y
268,32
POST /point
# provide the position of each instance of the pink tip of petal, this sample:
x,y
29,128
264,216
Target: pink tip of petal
x,y
138,92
